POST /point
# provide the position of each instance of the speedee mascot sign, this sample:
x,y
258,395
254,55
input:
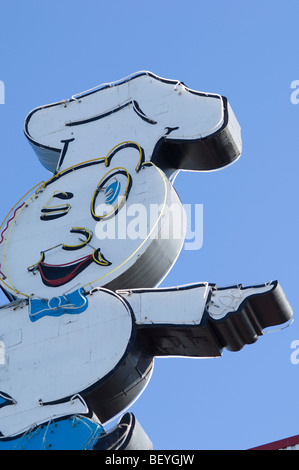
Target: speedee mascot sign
x,y
85,317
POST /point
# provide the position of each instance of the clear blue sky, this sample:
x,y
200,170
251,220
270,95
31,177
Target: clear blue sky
x,y
249,52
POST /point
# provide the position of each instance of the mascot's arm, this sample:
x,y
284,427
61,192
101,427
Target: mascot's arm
x,y
201,320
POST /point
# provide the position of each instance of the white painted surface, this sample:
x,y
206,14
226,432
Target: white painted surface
x,y
172,307
56,357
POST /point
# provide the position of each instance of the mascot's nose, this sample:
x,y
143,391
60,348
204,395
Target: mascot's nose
x,y
82,231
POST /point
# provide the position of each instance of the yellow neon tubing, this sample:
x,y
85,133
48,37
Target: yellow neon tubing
x,y
39,261
41,184
38,186
58,211
103,262
77,230
74,166
61,208
105,159
122,143
98,217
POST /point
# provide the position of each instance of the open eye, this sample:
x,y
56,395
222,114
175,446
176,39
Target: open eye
x,y
111,193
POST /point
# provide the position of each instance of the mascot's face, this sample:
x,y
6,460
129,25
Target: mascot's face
x,y
87,224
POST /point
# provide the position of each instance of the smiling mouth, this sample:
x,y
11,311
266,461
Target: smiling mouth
x,y
58,275
55,275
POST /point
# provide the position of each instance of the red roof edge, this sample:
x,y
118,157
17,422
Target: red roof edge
x,y
282,444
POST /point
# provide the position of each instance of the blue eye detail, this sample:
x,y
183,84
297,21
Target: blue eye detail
x,y
112,192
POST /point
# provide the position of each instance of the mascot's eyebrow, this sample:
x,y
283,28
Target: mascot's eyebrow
x,y
136,108
63,195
